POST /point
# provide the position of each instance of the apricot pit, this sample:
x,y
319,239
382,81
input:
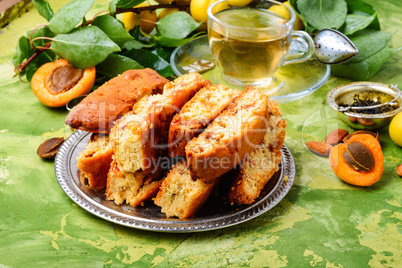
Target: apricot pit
x,y
56,83
358,157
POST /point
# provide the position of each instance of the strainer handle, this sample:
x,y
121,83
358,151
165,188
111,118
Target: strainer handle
x,y
301,49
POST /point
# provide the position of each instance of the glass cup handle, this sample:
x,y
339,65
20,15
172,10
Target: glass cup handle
x,y
301,48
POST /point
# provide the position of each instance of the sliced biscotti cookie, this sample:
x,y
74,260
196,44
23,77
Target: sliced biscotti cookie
x,y
236,132
249,179
99,110
181,196
132,188
196,114
94,161
140,137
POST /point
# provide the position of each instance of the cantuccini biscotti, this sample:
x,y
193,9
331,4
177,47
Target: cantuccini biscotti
x,y
140,137
94,161
98,111
181,196
237,131
132,188
196,114
248,179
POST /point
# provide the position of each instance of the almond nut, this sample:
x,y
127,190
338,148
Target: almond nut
x,y
365,121
375,135
49,148
319,148
336,136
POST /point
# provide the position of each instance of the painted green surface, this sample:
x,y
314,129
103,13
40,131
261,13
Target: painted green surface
x,y
322,222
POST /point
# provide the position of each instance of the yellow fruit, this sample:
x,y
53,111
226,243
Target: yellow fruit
x,y
147,20
395,129
280,10
299,25
129,20
167,11
198,9
238,3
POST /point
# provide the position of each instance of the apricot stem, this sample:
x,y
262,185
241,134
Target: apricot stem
x,y
151,7
39,38
20,67
37,27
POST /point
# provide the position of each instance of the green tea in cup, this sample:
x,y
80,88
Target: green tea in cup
x,y
250,42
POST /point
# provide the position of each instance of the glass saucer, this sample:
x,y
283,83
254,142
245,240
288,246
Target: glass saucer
x,y
292,82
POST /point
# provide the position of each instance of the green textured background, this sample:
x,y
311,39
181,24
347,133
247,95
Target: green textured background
x,y
322,222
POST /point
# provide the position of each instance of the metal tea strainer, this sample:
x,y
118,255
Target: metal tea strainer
x,y
333,47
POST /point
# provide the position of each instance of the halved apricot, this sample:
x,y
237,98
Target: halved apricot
x,y
357,175
56,83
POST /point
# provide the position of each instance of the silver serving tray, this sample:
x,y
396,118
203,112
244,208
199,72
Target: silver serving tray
x,y
215,214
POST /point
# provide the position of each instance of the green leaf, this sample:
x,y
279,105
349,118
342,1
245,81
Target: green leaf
x,y
365,69
44,9
369,42
356,22
323,14
113,28
361,8
138,35
163,52
112,7
150,60
135,44
69,16
128,3
23,51
177,25
84,47
293,4
115,65
170,42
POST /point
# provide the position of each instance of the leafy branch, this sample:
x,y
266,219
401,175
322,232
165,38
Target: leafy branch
x,y
359,21
102,41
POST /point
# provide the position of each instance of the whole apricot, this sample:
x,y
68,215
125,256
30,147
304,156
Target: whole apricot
x,y
299,25
239,3
395,129
146,19
129,20
56,83
281,11
198,9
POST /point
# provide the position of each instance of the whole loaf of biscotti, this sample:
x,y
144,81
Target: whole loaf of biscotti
x,y
236,132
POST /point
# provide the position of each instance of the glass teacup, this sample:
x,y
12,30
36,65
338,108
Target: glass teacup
x,y
250,42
